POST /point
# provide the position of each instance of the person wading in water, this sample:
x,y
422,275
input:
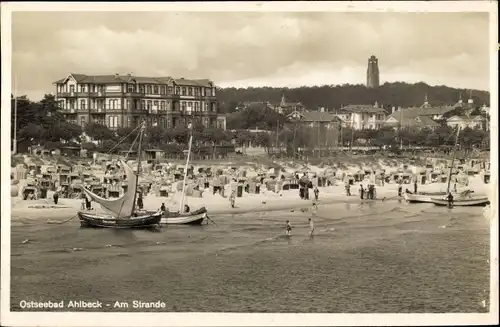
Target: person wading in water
x,y
450,200
311,227
288,228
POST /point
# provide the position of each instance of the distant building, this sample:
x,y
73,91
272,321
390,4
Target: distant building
x,y
372,73
315,119
361,116
125,101
474,122
411,119
286,108
326,127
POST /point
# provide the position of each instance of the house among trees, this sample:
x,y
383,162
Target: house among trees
x,y
315,119
411,119
362,116
473,122
286,108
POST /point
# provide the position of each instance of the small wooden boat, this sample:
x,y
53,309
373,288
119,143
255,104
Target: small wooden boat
x,y
463,202
122,211
426,197
145,221
185,218
188,218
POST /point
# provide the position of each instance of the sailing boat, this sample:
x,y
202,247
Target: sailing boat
x,y
464,199
181,217
122,211
428,197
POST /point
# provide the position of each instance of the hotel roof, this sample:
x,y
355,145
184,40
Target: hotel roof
x,y
128,78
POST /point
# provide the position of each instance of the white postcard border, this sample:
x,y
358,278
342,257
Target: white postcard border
x,y
241,319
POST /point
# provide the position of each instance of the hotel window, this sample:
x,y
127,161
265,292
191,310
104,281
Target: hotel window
x,y
177,90
131,88
141,88
111,104
82,121
143,104
82,88
183,106
162,105
196,91
206,106
82,104
148,89
155,104
113,121
72,88
155,89
183,91
208,92
190,104
190,91
72,104
61,104
149,104
170,90
196,106
162,89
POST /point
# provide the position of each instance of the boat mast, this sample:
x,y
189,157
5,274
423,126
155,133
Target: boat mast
x,y
14,146
452,161
181,205
138,166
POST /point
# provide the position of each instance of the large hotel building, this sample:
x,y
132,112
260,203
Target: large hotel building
x,y
126,100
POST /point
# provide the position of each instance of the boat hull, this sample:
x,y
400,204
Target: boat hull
x,y
422,197
190,218
427,197
143,221
472,202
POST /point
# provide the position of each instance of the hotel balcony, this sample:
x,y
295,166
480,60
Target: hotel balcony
x,y
97,94
70,94
135,94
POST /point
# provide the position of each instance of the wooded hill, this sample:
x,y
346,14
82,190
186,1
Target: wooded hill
x,y
333,97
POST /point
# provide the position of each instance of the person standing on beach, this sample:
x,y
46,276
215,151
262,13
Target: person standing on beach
x,y
56,197
316,193
311,227
288,228
415,187
361,191
400,188
348,189
140,203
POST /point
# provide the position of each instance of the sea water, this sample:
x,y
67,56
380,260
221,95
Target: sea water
x,y
373,257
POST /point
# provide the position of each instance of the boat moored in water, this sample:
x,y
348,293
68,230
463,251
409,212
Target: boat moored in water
x,y
187,218
463,202
141,221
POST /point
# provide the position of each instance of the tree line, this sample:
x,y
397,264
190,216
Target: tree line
x,y
335,96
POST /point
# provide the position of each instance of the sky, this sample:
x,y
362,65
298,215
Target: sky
x,y
244,49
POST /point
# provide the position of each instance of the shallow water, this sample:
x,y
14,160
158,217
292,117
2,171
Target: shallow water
x,y
370,257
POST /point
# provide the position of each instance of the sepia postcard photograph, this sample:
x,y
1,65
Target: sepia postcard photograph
x,y
249,163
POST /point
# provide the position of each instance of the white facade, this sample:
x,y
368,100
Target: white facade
x,y
363,120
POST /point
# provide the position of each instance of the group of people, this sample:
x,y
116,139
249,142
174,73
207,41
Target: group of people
x,y
288,227
368,193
